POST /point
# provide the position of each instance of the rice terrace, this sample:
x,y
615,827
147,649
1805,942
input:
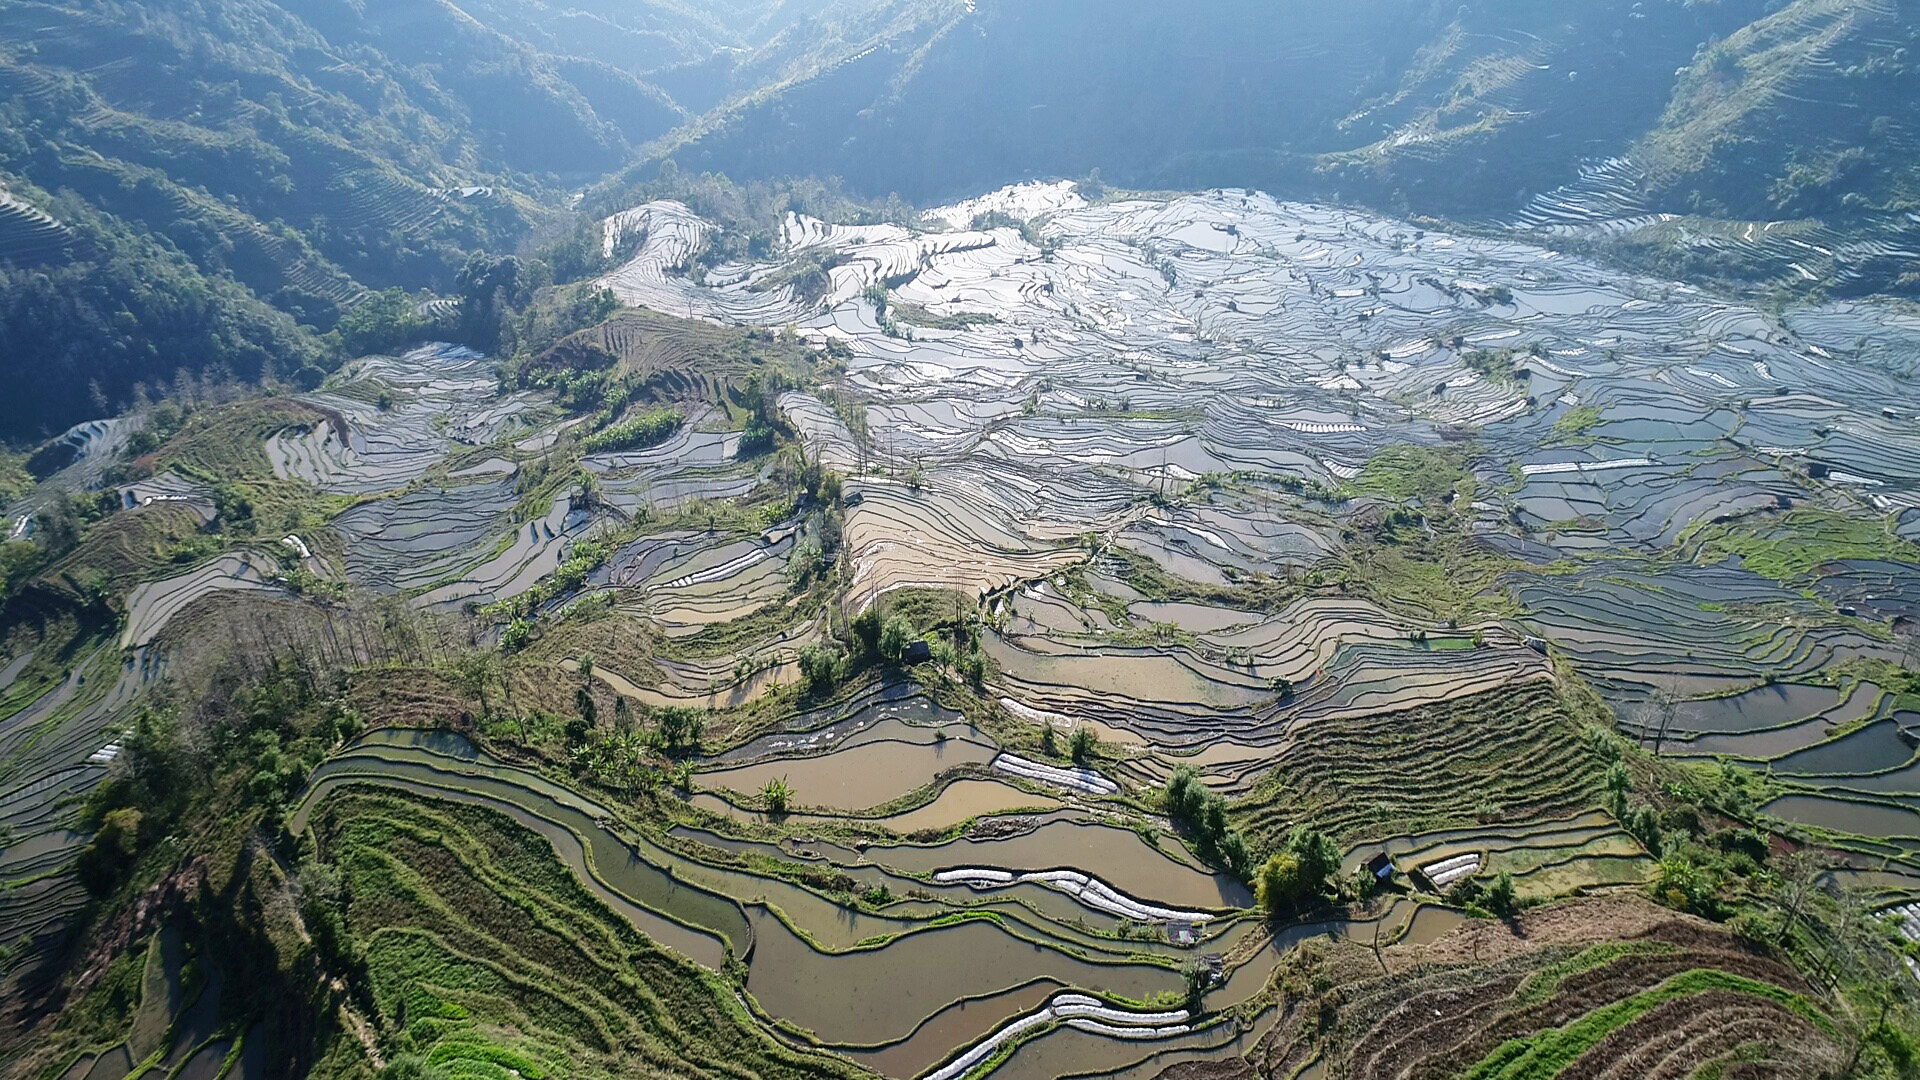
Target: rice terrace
x,y
1066,629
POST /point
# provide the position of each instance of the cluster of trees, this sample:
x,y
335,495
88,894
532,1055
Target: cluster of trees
x,y
759,395
241,743
1204,815
1298,874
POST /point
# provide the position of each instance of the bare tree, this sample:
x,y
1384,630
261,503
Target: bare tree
x,y
1798,871
1657,715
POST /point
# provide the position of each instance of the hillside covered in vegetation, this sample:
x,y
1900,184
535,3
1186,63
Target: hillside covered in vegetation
x,y
954,539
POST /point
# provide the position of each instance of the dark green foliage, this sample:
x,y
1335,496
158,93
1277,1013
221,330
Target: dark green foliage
x,y
1204,815
820,669
381,322
132,312
1081,744
680,728
486,286
637,433
215,162
248,742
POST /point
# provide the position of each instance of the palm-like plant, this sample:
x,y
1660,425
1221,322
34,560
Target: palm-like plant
x,y
777,793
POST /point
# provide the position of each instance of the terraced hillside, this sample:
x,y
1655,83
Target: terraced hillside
x,y
1554,995
1726,141
281,161
1055,634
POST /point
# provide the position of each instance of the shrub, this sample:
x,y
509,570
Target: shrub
x,y
895,635
777,794
1500,898
1685,886
515,636
819,669
1082,743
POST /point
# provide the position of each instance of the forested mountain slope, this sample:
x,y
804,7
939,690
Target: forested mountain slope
x,y
275,159
1739,110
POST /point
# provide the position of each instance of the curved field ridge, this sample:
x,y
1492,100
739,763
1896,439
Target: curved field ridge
x,y
1545,1055
1509,756
1089,890
1077,1010
150,607
1078,779
459,904
1614,988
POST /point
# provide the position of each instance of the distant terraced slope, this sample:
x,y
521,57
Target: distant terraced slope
x,y
269,163
1792,119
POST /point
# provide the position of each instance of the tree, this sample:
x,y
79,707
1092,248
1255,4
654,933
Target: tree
x,y
1204,813
680,728
819,669
1184,792
1197,977
379,322
1798,871
1279,884
1618,784
1299,872
866,631
895,635
1082,744
1319,857
1657,716
483,282
473,671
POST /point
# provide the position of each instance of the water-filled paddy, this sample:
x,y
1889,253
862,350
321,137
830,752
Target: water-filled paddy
x,y
1874,748
1166,875
960,1024
879,995
1841,815
957,802
1762,707
857,777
